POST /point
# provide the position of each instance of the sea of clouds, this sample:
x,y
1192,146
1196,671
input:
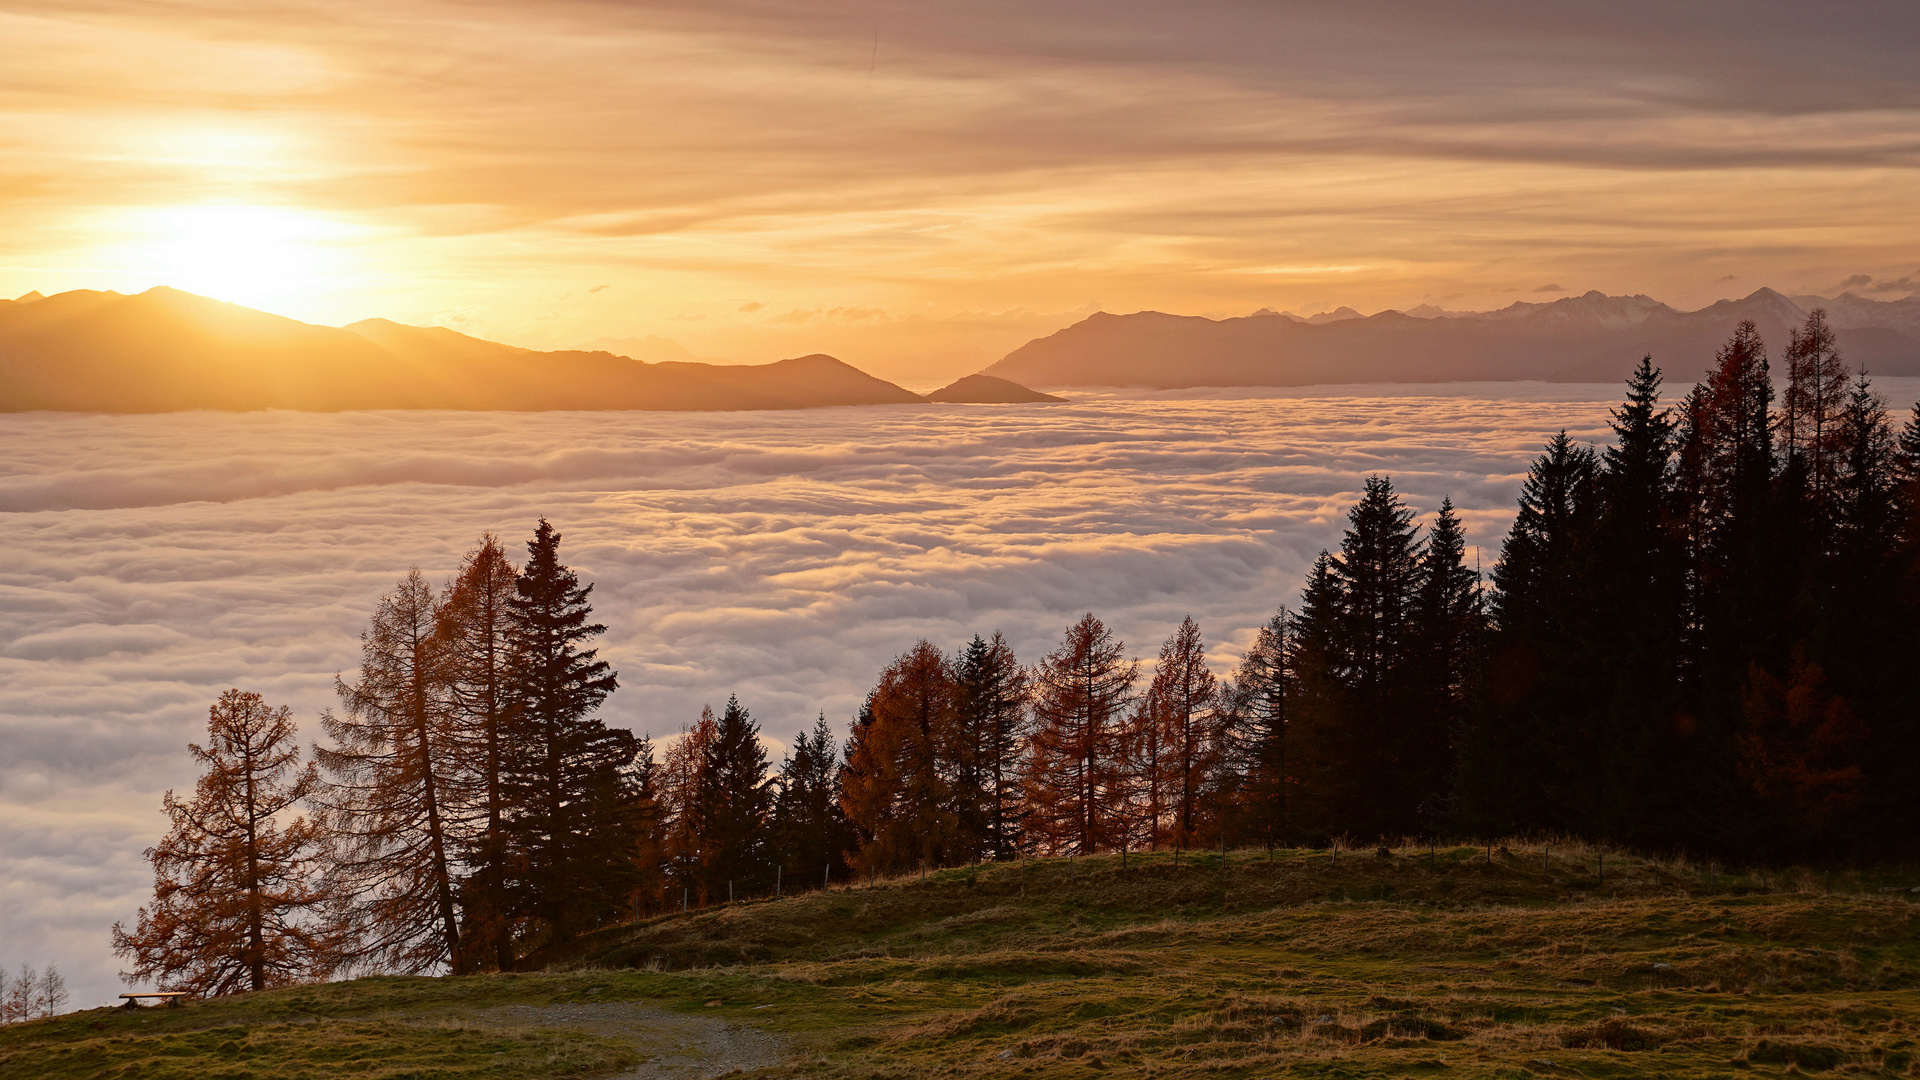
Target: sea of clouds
x,y
152,561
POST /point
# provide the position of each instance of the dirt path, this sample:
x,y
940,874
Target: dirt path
x,y
675,1046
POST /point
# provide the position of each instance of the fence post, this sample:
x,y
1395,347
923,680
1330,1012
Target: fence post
x,y
683,900
776,883
826,877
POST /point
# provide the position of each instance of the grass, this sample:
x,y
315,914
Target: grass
x,y
1414,965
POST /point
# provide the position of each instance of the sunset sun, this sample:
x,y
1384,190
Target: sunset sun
x,y
258,255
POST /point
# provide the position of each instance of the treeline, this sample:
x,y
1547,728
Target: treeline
x,y
30,994
1702,637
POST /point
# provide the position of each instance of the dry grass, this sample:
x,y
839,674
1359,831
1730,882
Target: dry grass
x,y
1417,964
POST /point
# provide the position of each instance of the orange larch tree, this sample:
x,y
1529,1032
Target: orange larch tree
x,y
1076,763
897,788
396,776
235,904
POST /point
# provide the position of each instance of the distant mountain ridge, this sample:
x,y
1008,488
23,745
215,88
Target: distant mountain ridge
x,y
1588,338
165,350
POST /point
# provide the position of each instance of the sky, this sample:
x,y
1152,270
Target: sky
x,y
921,187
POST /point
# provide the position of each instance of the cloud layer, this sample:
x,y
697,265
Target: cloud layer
x,y
155,560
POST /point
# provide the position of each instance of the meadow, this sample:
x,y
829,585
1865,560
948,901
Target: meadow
x,y
1503,960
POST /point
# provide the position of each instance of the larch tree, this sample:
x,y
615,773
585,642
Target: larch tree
x,y
478,634
1145,795
677,784
1191,732
1076,777
395,780
1811,414
897,788
567,776
237,904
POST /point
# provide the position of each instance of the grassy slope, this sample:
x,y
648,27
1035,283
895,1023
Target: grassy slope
x,y
1371,967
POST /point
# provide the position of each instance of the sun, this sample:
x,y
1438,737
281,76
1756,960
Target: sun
x,y
250,255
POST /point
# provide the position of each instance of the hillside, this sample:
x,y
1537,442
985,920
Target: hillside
x,y
166,350
1451,963
987,390
1590,338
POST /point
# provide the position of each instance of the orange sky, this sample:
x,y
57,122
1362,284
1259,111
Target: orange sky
x,y
920,187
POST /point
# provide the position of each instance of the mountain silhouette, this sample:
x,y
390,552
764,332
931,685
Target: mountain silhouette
x,y
988,390
165,350
1590,338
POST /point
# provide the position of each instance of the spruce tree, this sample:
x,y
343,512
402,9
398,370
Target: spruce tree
x,y
990,716
566,776
1258,699
733,806
1373,779
1319,739
1525,763
811,834
1449,625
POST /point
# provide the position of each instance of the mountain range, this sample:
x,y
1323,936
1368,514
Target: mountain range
x,y
1590,338
165,350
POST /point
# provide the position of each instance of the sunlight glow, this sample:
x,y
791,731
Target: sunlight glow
x,y
246,254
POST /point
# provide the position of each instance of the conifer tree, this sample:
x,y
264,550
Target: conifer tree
x,y
1865,482
1144,799
1522,764
395,777
677,784
478,633
1799,750
1907,470
1816,394
990,716
1449,623
897,789
1259,696
1076,781
237,904
811,833
733,805
1319,739
1191,732
647,878
567,776
1372,765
